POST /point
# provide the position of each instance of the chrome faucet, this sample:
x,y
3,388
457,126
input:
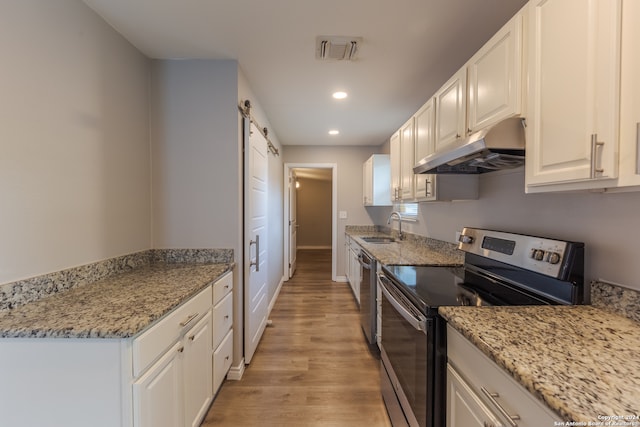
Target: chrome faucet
x,y
397,214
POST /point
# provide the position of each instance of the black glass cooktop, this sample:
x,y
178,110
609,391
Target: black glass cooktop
x,y
430,287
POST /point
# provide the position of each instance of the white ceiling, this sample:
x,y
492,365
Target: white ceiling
x,y
409,49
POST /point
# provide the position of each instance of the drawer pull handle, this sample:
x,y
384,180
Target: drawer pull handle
x,y
226,317
192,337
181,349
226,358
492,398
189,320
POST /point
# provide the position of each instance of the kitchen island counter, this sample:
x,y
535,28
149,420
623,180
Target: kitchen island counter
x,y
119,306
581,361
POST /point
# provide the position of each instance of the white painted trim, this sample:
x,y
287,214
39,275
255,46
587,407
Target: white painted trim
x,y
334,213
342,279
236,372
314,247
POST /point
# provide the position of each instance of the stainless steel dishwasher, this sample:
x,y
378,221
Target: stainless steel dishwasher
x,y
368,303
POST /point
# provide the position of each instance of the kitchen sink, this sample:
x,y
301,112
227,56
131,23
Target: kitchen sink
x,y
378,239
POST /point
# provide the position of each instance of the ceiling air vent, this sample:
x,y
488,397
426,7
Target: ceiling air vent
x,y
337,47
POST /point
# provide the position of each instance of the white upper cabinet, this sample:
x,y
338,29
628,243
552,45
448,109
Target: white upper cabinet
x,y
495,77
394,158
402,159
376,181
574,94
451,109
424,145
407,161
629,169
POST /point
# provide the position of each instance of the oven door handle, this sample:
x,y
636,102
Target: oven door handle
x,y
418,321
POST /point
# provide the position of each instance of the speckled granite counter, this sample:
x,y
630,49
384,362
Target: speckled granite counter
x,y
581,361
414,250
119,306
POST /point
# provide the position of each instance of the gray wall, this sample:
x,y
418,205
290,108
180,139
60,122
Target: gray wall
x,y
74,142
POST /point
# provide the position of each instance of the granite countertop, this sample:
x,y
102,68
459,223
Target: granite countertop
x,y
119,306
581,361
412,251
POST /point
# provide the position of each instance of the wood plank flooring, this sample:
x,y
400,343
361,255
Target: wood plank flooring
x,y
312,367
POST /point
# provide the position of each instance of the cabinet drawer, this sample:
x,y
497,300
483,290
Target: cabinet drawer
x,y
222,287
222,319
222,359
480,371
152,343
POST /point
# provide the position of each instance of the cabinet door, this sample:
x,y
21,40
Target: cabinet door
x,y
198,379
407,156
367,182
394,155
157,395
573,100
464,406
347,259
630,97
425,145
451,109
222,358
495,78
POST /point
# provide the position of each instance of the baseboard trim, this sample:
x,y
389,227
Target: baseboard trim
x,y
342,279
236,372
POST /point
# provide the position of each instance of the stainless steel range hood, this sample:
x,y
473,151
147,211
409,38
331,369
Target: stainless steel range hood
x,y
498,147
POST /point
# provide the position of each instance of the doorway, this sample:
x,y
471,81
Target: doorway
x,y
318,175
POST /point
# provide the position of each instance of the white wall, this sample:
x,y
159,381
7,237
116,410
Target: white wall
x,y
349,162
606,223
74,145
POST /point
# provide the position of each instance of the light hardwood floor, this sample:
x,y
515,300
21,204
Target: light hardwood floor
x,y
312,367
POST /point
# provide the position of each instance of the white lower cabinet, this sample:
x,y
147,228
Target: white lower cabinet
x,y
157,394
465,407
480,393
221,354
163,377
196,370
177,389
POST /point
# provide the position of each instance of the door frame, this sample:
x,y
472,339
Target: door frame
x,y
334,212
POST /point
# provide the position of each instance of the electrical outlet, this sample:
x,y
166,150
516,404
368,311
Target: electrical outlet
x,y
458,236
342,215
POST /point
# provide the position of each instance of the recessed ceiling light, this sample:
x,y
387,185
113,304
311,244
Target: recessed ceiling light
x,y
334,132
340,95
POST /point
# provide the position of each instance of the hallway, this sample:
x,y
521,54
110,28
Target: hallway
x,y
312,367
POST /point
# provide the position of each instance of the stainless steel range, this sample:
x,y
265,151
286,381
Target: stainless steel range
x,y
499,269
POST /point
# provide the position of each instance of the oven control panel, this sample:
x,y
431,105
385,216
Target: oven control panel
x,y
542,255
